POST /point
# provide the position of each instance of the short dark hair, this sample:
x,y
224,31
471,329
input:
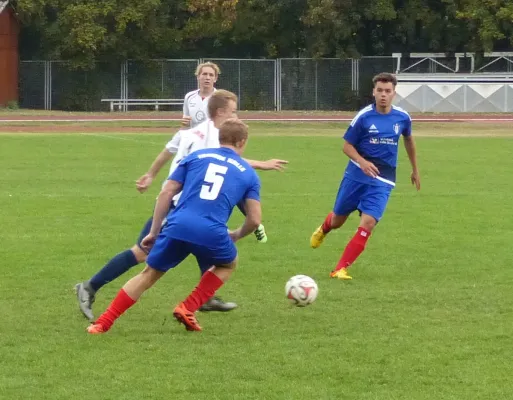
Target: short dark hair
x,y
384,77
232,131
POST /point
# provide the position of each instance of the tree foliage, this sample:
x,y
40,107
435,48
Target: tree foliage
x,y
84,31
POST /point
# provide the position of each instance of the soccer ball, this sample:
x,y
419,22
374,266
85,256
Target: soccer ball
x,y
301,290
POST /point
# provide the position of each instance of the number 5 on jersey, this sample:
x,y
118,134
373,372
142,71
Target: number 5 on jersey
x,y
214,179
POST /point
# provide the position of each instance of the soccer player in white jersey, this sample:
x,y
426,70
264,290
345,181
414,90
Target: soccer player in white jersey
x,y
222,106
371,143
195,104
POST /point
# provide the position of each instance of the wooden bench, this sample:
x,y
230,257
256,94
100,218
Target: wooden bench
x,y
121,103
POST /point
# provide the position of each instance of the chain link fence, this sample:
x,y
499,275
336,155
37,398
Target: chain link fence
x,y
160,79
79,90
32,84
281,84
253,81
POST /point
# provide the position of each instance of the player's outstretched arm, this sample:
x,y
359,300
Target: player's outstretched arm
x,y
273,164
143,183
170,190
367,167
252,221
409,144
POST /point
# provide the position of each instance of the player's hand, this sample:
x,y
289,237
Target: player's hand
x,y
186,121
415,179
274,164
148,241
368,168
143,183
234,235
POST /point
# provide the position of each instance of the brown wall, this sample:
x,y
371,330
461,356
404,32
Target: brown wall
x,y
9,62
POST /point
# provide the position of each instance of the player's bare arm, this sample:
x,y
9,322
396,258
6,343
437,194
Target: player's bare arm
x,y
252,221
143,183
269,165
409,145
367,167
170,190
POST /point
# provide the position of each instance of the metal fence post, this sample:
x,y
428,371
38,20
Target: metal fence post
x,y
316,83
239,83
278,84
48,85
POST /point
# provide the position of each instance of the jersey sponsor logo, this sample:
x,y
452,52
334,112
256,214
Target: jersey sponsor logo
x,y
389,141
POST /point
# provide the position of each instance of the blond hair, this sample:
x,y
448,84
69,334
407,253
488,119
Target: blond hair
x,y
232,131
220,99
215,67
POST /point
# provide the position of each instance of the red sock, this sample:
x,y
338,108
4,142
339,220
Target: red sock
x,y
206,288
119,305
353,249
326,225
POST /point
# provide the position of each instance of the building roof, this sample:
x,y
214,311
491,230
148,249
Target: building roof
x,y
3,5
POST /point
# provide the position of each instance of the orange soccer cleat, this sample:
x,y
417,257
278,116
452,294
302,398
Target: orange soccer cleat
x,y
186,317
96,329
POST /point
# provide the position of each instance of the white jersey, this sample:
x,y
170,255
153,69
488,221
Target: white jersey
x,y
196,107
185,142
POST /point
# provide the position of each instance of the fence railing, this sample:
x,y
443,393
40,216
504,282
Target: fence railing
x,y
263,84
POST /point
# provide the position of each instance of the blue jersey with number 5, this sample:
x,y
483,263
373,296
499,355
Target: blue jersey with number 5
x,y
214,182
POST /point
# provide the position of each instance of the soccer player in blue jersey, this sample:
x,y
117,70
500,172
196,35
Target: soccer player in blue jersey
x,y
212,182
221,106
371,143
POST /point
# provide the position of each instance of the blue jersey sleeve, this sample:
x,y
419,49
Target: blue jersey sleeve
x,y
181,171
253,191
407,127
352,134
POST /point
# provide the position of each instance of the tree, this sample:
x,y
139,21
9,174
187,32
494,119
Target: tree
x,y
490,21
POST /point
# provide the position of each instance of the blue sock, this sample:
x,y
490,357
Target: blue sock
x,y
113,269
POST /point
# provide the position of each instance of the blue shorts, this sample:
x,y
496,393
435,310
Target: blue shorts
x,y
168,252
146,229
368,199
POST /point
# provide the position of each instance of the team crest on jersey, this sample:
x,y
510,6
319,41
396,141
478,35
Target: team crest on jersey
x,y
200,116
396,129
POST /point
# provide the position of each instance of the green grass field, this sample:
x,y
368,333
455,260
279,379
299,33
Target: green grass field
x,y
428,314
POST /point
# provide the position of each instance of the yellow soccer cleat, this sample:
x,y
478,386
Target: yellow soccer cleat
x,y
341,274
317,237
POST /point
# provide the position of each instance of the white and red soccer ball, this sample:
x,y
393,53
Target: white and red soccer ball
x,y
301,290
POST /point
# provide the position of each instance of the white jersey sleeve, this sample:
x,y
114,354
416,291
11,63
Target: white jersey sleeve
x,y
173,145
203,136
186,111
